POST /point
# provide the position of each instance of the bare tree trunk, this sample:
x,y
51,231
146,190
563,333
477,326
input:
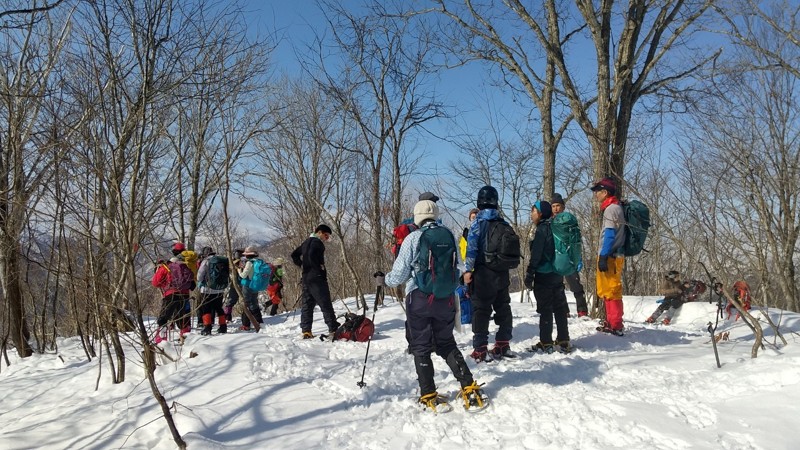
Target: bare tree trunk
x,y
18,325
149,360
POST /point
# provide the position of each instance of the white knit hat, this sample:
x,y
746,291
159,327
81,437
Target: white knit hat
x,y
425,209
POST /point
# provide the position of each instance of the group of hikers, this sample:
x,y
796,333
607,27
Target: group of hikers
x,y
434,266
185,271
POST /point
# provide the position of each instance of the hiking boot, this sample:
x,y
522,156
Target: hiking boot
x,y
473,396
160,336
650,320
666,321
206,331
502,350
307,335
222,329
244,328
481,355
544,348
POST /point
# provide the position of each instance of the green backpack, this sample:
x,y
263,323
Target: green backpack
x,y
567,240
436,266
637,222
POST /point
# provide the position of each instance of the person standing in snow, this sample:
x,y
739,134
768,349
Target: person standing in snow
x,y
176,282
547,285
250,296
462,242
233,294
610,260
489,287
212,290
574,279
310,256
430,320
275,288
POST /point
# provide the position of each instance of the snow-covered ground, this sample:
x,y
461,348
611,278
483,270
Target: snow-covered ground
x,y
657,387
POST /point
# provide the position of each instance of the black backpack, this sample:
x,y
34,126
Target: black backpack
x,y
219,272
501,249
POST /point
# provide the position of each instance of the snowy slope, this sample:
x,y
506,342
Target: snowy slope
x,y
657,387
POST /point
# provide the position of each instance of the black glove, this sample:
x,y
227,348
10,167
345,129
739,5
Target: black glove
x,y
529,283
602,263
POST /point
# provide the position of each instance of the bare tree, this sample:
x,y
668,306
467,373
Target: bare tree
x,y
745,164
511,166
631,42
229,76
30,56
382,88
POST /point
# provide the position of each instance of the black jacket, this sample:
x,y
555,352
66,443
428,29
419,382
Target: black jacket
x,y
543,252
310,255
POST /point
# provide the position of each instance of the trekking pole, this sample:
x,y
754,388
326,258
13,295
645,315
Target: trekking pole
x,y
379,279
712,329
396,293
714,344
297,300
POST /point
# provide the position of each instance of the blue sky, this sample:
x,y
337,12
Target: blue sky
x,y
465,90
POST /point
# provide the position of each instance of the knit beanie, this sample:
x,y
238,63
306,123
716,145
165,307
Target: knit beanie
x,y
424,210
544,209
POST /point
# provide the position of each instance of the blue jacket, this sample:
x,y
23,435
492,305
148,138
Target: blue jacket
x,y
475,237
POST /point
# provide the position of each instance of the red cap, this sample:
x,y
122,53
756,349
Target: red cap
x,y
606,183
179,247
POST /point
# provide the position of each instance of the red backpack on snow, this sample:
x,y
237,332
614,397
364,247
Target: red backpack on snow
x,y
742,292
355,328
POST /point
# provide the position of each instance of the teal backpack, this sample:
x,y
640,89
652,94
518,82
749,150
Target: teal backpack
x,y
436,266
261,276
637,222
567,240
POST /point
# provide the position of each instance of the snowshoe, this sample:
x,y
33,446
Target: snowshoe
x,y
481,355
473,397
540,347
435,402
502,350
609,330
564,347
